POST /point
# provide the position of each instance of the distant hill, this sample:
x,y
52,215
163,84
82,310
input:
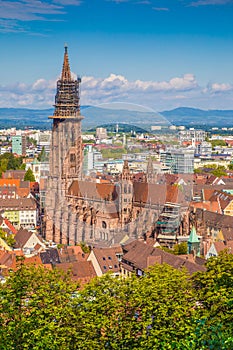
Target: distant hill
x,y
95,116
193,116
23,117
121,128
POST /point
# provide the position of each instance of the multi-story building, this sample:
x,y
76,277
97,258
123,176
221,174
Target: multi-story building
x,y
192,134
204,148
44,140
88,160
180,161
101,133
20,212
19,144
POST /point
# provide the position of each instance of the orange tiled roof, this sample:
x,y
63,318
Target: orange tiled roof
x,y
10,226
211,206
107,258
10,182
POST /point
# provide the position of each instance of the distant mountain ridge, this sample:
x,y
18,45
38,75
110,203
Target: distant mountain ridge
x,y
94,116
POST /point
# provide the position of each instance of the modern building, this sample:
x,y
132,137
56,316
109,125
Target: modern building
x,y
19,145
180,161
204,148
88,160
44,140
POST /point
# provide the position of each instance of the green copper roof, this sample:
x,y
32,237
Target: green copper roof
x,y
35,161
193,238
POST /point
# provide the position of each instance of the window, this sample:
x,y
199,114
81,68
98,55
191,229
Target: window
x,y
104,225
109,258
72,157
105,268
104,258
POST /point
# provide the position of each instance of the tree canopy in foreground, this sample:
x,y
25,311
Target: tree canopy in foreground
x,y
164,309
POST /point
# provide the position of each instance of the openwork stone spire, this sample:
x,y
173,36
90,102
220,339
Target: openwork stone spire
x,y
67,97
66,75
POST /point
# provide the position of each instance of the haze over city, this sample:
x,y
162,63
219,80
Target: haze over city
x,y
161,54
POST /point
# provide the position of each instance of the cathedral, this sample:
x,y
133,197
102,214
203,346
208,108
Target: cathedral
x,y
80,209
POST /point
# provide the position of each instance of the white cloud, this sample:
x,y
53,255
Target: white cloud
x,y
215,88
14,13
155,94
210,2
42,84
187,82
160,8
68,2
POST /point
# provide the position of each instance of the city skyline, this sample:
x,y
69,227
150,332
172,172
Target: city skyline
x,y
158,54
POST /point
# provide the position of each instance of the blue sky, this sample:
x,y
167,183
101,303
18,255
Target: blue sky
x,y
159,53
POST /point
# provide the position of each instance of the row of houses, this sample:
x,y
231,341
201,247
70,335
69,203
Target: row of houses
x,y
19,200
131,257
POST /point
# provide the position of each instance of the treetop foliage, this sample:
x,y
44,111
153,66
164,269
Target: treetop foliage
x,y
9,162
164,309
29,176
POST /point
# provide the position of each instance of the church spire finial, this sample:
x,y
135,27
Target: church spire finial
x,y
66,75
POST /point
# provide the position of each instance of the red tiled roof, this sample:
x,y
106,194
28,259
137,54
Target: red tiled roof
x,y
219,246
10,226
10,182
107,259
215,220
21,238
82,271
103,191
14,174
140,255
18,204
211,206
71,254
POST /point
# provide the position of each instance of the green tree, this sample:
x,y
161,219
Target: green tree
x,y
8,238
181,248
214,291
164,309
31,141
197,171
36,310
219,171
152,312
29,176
10,162
215,143
42,155
85,247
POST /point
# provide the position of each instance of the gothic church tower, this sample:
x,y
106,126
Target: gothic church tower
x,y
65,153
66,149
